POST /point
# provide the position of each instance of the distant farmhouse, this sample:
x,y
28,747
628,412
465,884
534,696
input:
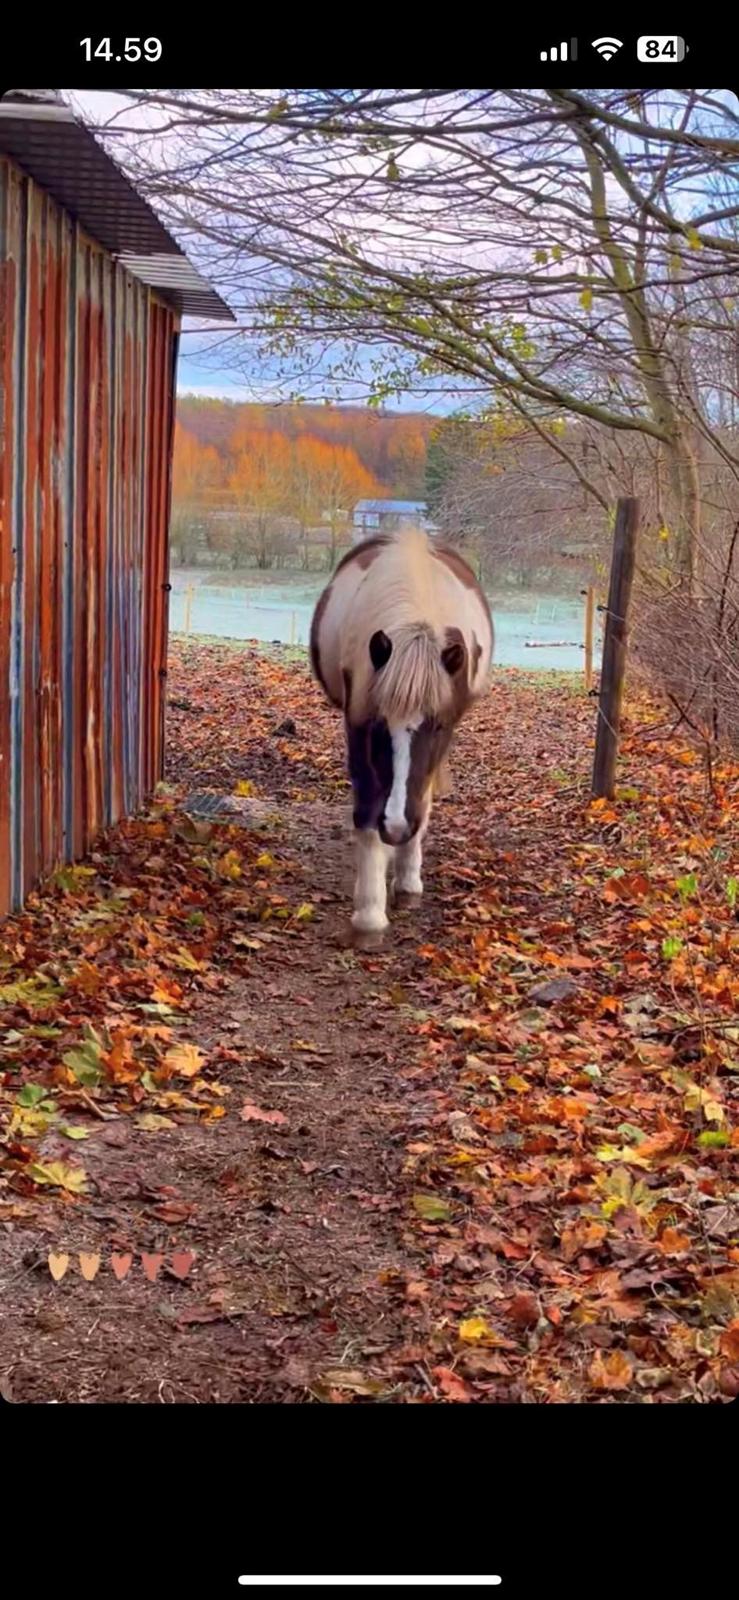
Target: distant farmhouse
x,y
387,516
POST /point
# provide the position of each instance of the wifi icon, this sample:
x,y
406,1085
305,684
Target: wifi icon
x,y
607,47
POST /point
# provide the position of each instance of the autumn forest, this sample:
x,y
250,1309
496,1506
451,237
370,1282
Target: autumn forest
x,y
275,486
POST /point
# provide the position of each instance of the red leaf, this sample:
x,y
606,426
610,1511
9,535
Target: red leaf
x,y
524,1310
452,1385
250,1113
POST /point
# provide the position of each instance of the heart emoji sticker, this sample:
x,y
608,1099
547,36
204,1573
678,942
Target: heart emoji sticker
x,y
89,1265
181,1263
121,1265
151,1265
57,1265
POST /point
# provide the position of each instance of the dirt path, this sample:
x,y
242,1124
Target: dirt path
x,y
294,1224
459,1169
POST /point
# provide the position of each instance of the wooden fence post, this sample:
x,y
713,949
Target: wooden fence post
x,y
589,614
614,647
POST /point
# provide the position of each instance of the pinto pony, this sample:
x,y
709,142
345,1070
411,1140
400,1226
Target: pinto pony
x,y
401,641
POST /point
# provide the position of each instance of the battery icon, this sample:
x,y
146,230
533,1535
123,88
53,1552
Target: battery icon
x,y
662,48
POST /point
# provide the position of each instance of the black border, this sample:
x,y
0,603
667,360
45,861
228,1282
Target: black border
x,y
210,49
634,1500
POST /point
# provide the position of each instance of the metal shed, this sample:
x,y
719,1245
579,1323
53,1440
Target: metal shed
x,y
91,292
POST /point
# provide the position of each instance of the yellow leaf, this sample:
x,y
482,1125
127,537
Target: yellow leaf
x,y
184,958
664,533
229,865
304,912
265,860
59,1176
694,239
628,1153
586,299
152,1122
474,1329
214,1113
244,787
519,1085
29,1124
185,1059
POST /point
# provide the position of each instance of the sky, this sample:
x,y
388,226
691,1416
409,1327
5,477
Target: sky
x,y
200,371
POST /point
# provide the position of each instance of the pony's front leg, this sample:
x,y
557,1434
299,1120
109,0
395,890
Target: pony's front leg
x,y
408,883
370,889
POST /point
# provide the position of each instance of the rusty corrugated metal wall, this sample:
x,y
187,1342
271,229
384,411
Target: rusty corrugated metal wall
x,y
87,363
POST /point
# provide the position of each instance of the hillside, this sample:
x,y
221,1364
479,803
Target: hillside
x,y
391,448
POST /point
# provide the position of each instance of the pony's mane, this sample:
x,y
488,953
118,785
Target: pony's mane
x,y
399,597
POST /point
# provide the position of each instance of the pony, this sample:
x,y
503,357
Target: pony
x,y
401,642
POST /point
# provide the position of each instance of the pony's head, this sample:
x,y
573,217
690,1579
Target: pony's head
x,y
417,691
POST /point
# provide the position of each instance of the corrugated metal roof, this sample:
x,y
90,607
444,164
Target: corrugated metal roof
x,y
44,137
391,506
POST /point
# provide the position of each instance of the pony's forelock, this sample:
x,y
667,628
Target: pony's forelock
x,y
413,681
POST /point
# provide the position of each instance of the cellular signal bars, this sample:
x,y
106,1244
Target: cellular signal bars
x,y
560,52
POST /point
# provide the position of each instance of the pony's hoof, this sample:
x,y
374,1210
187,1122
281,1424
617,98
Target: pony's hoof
x,y
407,899
364,939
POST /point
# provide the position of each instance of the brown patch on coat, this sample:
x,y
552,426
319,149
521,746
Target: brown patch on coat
x,y
476,653
442,779
460,680
364,554
456,564
315,653
462,570
428,758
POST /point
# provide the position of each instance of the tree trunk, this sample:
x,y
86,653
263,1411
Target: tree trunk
x,y
685,486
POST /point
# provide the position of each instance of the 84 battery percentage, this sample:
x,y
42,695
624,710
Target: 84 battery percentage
x,y
660,47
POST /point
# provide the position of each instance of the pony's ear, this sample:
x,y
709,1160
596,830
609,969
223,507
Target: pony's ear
x,y
380,649
453,658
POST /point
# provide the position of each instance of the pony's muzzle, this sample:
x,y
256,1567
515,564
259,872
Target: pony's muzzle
x,y
395,832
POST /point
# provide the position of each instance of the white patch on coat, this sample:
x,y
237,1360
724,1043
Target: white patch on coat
x,y
396,822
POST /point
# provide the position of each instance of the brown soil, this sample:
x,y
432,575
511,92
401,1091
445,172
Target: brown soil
x,y
293,1225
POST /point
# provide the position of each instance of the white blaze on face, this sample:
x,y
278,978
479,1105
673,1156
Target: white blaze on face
x,y
396,822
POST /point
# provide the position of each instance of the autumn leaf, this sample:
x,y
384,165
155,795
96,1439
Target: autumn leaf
x,y
626,1153
244,787
186,960
431,1208
452,1386
186,1060
524,1310
252,1113
586,299
59,1176
153,1122
729,1341
34,991
348,1378
86,1063
476,1330
612,1371
584,1235
674,1243
229,865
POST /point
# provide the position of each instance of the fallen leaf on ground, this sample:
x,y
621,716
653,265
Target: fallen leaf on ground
x,y
251,1113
